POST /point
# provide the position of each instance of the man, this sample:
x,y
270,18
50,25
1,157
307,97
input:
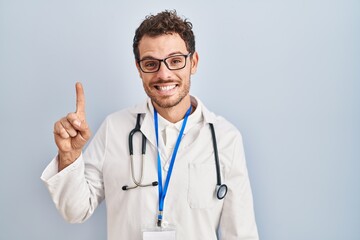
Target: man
x,y
172,186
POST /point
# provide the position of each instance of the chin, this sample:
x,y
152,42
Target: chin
x,y
167,103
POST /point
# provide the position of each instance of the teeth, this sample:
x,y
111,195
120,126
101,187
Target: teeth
x,y
166,88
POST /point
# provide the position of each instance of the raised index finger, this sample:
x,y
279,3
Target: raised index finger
x,y
80,101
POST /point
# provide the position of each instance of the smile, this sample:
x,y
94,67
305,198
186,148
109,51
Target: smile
x,y
166,88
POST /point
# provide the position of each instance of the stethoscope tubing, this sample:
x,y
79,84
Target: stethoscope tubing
x,y
221,189
217,165
132,133
138,183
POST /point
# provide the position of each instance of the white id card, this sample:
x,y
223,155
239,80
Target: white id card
x,y
163,233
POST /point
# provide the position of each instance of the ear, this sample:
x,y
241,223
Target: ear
x,y
194,62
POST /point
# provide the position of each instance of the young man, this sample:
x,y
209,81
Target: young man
x,y
173,186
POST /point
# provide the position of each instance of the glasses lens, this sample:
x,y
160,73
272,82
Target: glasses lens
x,y
149,65
176,62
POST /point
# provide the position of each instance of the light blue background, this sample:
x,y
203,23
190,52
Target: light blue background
x,y
286,73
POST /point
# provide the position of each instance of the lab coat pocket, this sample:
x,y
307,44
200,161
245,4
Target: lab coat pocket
x,y
202,185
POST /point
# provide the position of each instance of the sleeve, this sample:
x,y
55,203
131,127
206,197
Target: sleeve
x,y
238,217
78,189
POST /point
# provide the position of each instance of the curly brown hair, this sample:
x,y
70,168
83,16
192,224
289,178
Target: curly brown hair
x,y
165,22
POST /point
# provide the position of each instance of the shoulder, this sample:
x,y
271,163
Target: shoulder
x,y
124,119
226,130
223,127
127,114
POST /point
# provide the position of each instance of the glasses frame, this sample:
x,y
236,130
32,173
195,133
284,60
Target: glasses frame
x,y
164,61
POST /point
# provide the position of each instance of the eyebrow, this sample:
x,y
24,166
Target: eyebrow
x,y
169,55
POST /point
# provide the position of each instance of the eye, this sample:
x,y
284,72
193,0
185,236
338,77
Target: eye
x,y
176,60
149,64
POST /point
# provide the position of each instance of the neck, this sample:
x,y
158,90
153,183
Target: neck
x,y
176,113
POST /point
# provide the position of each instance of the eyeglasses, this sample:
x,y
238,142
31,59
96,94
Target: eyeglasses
x,y
152,65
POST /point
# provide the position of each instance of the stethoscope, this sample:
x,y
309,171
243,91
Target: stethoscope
x,y
221,189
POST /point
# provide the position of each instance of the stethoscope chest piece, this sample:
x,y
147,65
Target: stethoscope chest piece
x,y
221,191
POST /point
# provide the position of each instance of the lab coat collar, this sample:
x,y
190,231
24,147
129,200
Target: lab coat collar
x,y
147,125
209,117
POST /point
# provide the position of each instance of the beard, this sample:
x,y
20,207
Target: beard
x,y
168,101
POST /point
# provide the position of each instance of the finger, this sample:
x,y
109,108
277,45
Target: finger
x,y
81,138
80,100
79,125
60,130
68,127
75,121
84,132
79,141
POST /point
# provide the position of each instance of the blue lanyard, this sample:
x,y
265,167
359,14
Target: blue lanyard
x,y
163,189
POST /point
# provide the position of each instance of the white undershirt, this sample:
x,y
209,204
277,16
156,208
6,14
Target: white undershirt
x,y
169,132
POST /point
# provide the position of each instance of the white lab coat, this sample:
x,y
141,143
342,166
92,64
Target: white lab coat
x,y
190,205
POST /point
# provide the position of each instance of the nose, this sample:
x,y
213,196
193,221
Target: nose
x,y
164,72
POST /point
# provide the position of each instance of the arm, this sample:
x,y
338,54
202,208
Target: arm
x,y
76,187
238,218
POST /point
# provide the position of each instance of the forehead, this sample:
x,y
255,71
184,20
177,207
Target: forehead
x,y
161,46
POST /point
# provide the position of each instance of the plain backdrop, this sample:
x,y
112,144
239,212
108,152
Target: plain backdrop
x,y
286,73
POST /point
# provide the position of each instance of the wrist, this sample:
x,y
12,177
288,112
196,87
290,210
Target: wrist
x,y
67,158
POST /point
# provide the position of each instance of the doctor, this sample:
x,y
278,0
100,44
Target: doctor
x,y
169,191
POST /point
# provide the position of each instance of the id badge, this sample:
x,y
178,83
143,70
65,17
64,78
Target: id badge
x,y
160,233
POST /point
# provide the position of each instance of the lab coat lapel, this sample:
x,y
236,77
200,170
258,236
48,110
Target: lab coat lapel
x,y
147,128
147,123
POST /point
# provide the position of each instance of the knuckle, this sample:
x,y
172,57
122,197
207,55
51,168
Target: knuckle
x,y
71,116
86,136
63,133
58,123
86,133
66,124
56,126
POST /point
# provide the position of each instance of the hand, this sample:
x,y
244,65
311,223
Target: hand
x,y
72,132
